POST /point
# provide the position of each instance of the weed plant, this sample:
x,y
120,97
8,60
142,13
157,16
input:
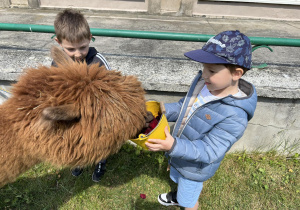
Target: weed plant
x,y
135,178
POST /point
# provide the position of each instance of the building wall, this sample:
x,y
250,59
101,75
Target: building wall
x,y
283,10
135,6
21,3
247,10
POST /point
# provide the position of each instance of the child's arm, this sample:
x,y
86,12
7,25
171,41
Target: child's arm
x,y
173,110
208,149
213,145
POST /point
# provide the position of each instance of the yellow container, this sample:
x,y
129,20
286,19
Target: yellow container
x,y
158,132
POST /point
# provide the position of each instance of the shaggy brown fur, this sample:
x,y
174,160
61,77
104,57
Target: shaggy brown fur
x,y
70,115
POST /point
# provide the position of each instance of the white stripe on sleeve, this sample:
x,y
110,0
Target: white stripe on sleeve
x,y
101,57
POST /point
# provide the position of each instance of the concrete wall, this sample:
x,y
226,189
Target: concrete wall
x,y
134,6
175,7
4,3
275,125
246,10
19,2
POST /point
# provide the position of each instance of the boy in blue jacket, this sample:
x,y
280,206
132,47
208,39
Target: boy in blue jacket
x,y
74,36
210,119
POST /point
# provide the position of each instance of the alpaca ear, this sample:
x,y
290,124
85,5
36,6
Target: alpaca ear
x,y
59,56
66,112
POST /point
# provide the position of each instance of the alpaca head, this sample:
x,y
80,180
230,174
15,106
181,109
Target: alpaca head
x,y
76,114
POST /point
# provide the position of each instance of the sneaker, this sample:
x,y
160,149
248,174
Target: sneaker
x,y
77,171
99,171
168,199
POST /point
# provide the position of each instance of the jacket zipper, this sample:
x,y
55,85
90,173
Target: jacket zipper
x,y
173,133
190,119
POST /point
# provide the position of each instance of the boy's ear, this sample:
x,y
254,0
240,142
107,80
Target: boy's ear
x,y
56,39
238,74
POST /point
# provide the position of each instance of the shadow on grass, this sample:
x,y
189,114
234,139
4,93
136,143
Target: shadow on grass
x,y
144,205
44,190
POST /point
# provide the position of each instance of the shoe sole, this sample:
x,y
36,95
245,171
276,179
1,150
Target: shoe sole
x,y
166,204
94,180
76,175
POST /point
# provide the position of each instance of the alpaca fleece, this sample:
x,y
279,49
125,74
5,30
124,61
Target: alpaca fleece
x,y
70,115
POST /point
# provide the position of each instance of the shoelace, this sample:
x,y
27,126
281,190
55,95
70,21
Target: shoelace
x,y
99,168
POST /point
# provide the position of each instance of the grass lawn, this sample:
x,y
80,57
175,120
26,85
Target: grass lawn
x,y
244,181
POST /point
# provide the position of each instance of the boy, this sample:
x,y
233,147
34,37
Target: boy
x,y
73,35
210,119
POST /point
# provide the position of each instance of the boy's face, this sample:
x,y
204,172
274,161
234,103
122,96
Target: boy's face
x,y
219,80
76,51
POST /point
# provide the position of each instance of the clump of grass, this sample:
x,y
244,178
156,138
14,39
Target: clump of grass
x,y
244,181
254,181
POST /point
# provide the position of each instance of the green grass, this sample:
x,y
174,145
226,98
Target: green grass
x,y
244,181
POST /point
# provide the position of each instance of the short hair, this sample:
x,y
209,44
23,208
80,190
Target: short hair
x,y
72,26
232,68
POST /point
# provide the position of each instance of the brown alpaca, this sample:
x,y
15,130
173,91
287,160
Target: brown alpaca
x,y
70,115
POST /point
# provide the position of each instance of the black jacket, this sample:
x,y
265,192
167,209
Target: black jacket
x,y
93,56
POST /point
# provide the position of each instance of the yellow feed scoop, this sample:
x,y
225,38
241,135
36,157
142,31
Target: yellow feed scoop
x,y
156,108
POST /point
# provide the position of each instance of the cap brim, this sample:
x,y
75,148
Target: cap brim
x,y
204,57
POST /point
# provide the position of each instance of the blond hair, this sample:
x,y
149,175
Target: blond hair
x,y
72,26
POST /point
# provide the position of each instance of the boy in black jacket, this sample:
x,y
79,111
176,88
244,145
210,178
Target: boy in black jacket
x,y
74,36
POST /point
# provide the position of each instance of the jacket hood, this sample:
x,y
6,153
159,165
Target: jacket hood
x,y
247,103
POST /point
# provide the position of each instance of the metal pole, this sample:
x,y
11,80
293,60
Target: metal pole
x,y
150,34
26,27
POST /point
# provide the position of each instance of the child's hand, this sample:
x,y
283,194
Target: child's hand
x,y
161,145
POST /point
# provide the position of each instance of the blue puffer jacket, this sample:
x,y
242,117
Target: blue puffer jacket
x,y
201,144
